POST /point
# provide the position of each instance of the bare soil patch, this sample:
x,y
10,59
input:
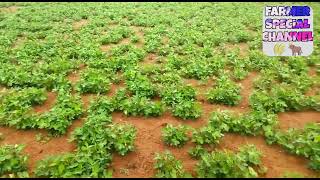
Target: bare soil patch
x,y
105,48
165,40
115,87
47,105
297,119
244,48
78,24
315,89
108,47
11,9
151,58
37,150
247,88
87,98
312,71
2,89
74,77
19,42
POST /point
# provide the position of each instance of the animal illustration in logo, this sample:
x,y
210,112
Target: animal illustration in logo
x,y
295,50
278,49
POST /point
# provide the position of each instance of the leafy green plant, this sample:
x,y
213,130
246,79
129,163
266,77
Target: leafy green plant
x,y
302,142
197,151
38,51
60,117
280,99
124,136
141,106
251,123
168,167
240,73
12,162
116,35
17,98
118,98
28,75
265,81
173,95
250,154
175,136
168,78
298,65
112,137
226,164
175,62
89,162
187,110
15,108
93,81
139,85
134,39
226,92
182,100
41,138
206,135
96,140
101,106
202,67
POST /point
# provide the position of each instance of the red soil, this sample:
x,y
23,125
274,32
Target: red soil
x,y
297,119
37,150
247,87
47,105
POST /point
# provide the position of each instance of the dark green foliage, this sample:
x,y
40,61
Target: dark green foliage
x,y
13,163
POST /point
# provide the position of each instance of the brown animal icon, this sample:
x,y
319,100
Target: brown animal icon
x,y
295,50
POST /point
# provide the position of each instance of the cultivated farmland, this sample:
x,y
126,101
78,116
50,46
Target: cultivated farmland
x,y
153,90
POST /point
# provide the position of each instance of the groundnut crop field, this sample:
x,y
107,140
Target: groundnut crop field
x,y
153,90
